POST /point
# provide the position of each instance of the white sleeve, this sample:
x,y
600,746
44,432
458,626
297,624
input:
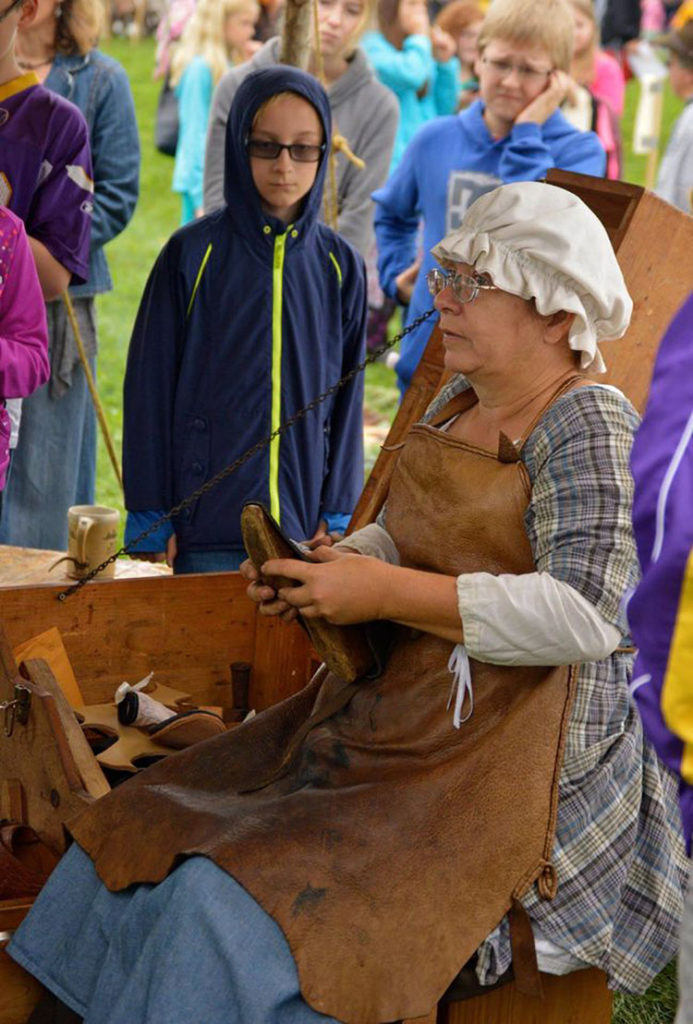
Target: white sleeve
x,y
372,540
530,620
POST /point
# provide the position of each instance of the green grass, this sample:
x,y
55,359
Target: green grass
x,y
131,257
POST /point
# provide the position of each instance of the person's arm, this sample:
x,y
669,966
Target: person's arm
x,y
579,526
374,145
405,69
115,152
527,157
215,151
343,480
675,179
152,548
53,276
446,86
150,387
345,588
60,217
662,604
397,220
24,362
194,102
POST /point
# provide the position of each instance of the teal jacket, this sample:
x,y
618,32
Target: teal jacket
x,y
424,87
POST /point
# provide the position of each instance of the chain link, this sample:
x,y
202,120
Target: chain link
x,y
213,481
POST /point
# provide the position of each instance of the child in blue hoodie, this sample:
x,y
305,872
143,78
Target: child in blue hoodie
x,y
514,132
248,314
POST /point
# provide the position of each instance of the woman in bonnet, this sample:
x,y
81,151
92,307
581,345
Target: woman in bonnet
x,y
414,821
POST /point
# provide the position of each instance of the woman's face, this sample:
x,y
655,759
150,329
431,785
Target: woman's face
x,y
467,44
340,22
487,338
239,27
583,32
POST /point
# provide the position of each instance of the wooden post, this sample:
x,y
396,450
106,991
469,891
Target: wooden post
x,y
297,34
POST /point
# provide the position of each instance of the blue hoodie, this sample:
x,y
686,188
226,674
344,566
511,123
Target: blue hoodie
x,y
243,321
449,163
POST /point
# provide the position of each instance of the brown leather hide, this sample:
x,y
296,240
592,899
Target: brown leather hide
x,y
396,842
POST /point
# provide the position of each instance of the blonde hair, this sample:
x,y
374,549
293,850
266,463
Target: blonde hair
x,y
271,100
78,26
204,36
366,21
548,23
582,66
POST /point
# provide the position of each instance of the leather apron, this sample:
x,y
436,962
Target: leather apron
x,y
395,843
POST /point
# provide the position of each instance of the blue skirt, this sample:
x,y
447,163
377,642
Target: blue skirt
x,y
195,949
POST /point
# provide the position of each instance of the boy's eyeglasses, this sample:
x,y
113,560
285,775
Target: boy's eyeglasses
x,y
300,152
464,287
503,68
8,10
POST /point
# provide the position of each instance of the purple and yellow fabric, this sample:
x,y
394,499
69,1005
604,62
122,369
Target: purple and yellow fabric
x,y
661,609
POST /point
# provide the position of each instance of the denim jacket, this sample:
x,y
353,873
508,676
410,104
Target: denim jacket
x,y
98,85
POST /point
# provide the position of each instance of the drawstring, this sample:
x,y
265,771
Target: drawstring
x,y
461,684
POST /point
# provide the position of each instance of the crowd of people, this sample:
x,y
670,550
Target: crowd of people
x,y
403,169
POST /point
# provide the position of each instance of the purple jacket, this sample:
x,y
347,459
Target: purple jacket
x,y
661,609
24,362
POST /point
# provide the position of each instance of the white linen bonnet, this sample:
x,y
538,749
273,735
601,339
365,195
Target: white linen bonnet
x,y
541,242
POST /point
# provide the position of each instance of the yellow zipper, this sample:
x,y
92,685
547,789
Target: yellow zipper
x,y
275,416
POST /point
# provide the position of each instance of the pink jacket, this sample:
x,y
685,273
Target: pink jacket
x,y
24,362
609,84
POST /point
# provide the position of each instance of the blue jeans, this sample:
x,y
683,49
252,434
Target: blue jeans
x,y
207,561
54,464
195,949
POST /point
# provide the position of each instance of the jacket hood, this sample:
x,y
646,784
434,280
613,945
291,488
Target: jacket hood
x,y
242,198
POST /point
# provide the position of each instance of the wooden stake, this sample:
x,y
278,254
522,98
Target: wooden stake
x,y
296,37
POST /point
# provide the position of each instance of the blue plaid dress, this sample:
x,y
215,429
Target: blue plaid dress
x,y
619,852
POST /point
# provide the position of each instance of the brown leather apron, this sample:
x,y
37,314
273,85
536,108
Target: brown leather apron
x,y
395,843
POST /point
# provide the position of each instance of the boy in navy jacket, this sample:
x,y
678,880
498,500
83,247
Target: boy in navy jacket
x,y
248,314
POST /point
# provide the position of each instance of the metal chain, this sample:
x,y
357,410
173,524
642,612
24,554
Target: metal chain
x,y
248,454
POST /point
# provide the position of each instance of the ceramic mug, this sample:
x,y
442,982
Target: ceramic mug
x,y
92,538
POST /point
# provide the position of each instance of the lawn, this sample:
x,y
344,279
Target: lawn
x,y
132,255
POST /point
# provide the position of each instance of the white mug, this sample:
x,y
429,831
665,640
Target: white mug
x,y
92,538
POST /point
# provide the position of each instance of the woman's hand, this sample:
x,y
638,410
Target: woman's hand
x,y
266,596
343,588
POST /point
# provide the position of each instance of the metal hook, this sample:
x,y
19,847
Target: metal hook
x,y
17,709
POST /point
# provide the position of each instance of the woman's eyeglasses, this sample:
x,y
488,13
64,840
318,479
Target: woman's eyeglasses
x,y
463,287
300,152
504,68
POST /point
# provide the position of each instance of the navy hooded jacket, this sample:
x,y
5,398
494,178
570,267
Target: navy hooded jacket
x,y
243,321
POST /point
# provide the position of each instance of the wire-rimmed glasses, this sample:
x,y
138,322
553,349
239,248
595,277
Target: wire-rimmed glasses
x,y
464,287
504,68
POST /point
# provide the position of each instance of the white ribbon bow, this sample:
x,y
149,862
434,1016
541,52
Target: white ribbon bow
x,y
461,684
